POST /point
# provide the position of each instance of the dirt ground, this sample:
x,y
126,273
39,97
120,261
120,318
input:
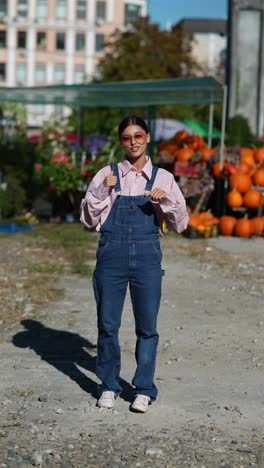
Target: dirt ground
x,y
210,409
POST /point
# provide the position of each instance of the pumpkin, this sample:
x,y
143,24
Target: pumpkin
x,y
216,169
240,182
211,221
180,136
247,155
170,147
195,142
205,215
243,227
258,177
194,221
259,155
252,198
184,154
243,167
234,199
227,225
257,225
207,153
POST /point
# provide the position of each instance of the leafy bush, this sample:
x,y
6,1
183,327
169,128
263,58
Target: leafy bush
x,y
12,200
239,133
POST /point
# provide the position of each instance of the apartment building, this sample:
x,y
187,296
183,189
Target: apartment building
x,y
45,42
209,46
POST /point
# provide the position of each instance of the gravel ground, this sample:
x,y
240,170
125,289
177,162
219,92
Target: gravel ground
x,y
209,371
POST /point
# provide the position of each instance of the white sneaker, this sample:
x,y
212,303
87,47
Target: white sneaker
x,y
106,400
141,403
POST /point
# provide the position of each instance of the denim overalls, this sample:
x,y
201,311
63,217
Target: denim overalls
x,y
128,253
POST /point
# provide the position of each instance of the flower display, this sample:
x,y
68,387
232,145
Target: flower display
x,y
63,164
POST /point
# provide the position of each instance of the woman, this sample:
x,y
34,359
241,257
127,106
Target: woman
x,y
127,203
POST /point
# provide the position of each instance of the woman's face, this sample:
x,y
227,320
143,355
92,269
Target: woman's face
x,y
134,140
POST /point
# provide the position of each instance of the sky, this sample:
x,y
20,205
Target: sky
x,y
169,12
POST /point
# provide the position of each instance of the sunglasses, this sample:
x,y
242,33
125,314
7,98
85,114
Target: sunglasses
x,y
138,137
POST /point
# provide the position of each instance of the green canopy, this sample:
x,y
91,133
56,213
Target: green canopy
x,y
202,90
201,128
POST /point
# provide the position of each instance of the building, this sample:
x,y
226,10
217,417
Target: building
x,y
209,45
45,42
245,60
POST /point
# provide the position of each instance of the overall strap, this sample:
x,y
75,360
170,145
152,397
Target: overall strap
x,y
150,182
114,168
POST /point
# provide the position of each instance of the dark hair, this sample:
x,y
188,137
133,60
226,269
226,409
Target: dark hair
x,y
132,120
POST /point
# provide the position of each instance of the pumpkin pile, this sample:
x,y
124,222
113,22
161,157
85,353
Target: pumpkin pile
x,y
182,147
246,180
203,224
243,227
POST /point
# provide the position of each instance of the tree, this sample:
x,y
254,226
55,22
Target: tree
x,y
146,52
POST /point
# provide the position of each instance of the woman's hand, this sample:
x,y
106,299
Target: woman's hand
x,y
157,195
110,180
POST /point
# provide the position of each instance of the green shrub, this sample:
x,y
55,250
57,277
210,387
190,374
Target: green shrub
x,y
239,133
12,200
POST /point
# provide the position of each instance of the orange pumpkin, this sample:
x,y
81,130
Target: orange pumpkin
x,y
243,167
258,177
247,154
194,221
170,147
211,221
207,153
180,136
243,228
206,215
195,142
216,169
184,154
257,225
234,199
252,198
227,225
240,182
259,155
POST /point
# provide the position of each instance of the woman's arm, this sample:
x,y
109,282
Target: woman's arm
x,y
96,200
171,201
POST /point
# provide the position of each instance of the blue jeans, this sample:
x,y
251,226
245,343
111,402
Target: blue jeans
x,y
138,264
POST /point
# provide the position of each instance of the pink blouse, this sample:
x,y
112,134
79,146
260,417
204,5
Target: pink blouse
x,y
99,199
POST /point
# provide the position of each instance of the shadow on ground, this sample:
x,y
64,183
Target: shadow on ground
x,y
65,351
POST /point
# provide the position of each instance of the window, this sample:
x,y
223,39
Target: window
x,y
2,71
80,41
132,12
42,8
22,8
61,8
60,41
21,39
40,73
99,42
2,39
59,73
21,70
79,74
41,40
39,109
100,10
3,7
81,9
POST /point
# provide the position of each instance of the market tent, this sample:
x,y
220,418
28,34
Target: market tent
x,y
203,90
166,128
201,128
147,93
